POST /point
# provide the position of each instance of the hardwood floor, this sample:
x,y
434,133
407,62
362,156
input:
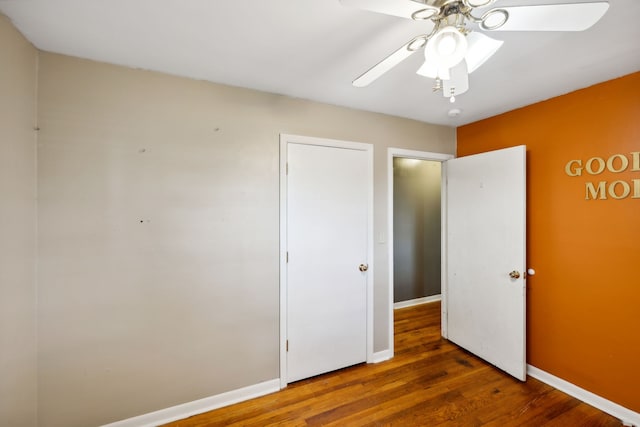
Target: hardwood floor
x,y
429,382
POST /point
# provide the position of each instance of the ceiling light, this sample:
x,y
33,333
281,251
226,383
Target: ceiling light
x,y
446,48
480,48
453,80
430,69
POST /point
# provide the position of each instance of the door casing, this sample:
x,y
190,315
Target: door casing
x,y
285,139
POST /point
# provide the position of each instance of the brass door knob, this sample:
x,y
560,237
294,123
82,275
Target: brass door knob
x,y
515,274
363,267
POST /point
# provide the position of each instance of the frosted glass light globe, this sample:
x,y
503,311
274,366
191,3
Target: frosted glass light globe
x,y
446,48
446,45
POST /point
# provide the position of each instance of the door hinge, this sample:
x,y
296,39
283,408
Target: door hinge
x,y
286,166
287,256
287,345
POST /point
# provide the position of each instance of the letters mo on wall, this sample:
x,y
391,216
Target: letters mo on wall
x,y
603,190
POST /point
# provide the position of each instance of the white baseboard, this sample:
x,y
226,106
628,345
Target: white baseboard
x,y
417,301
189,409
381,356
627,416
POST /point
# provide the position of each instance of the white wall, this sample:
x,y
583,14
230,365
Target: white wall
x,y
158,234
18,70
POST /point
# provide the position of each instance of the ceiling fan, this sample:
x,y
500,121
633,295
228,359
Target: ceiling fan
x,y
452,49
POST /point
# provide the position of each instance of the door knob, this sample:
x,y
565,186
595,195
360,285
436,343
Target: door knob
x,y
515,274
363,267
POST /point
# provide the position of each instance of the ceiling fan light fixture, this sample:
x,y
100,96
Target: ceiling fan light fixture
x,y
457,83
446,48
444,74
494,19
481,48
428,69
432,71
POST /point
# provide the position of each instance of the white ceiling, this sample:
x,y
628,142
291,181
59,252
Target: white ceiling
x,y
313,49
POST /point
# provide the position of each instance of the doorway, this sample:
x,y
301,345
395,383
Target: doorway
x,y
415,265
483,291
417,218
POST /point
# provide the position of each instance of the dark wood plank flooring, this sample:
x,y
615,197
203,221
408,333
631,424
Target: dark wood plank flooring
x,y
429,382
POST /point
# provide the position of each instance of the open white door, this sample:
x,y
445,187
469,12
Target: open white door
x,y
485,222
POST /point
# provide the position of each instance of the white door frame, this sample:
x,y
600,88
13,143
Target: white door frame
x,y
285,139
420,155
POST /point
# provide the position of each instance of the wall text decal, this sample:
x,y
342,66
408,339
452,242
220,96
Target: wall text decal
x,y
602,190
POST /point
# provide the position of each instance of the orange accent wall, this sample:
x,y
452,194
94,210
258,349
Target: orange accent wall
x,y
584,301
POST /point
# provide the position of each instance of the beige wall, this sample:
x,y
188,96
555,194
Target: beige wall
x,y
158,234
18,68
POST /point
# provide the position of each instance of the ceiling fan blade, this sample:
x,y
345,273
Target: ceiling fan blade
x,y
403,8
556,17
459,81
480,48
390,61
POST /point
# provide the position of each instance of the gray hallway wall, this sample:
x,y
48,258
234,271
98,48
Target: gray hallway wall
x,y
417,225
